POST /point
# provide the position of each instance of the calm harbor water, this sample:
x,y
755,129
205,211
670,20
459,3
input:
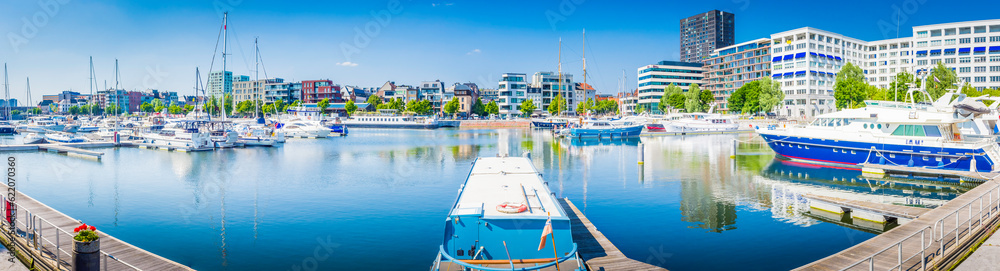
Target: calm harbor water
x,y
377,199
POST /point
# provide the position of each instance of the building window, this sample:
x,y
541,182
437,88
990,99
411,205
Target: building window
x,y
980,39
981,69
964,69
964,40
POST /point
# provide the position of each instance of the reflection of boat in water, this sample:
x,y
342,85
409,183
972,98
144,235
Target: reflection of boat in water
x,y
501,210
628,141
842,182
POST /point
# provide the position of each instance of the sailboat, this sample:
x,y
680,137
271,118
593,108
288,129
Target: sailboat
x,y
5,127
252,135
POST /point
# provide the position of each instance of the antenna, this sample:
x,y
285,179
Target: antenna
x,y
560,78
29,91
225,45
585,65
6,94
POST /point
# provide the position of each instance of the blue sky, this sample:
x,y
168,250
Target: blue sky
x,y
159,43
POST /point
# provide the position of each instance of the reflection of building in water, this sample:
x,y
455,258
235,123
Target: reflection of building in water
x,y
700,207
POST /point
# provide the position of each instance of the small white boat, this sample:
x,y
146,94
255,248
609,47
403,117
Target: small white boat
x,y
34,138
64,138
185,135
257,136
305,129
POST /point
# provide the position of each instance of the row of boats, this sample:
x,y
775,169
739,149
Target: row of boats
x,y
631,126
194,131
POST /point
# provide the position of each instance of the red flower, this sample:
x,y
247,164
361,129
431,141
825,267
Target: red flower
x,y
92,228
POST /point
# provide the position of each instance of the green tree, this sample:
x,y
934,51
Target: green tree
x,y
74,110
479,108
527,107
639,109
557,105
770,95
375,100
111,109
188,108
692,101
95,109
350,107
227,103
738,99
900,86
941,80
35,111
277,105
421,107
157,105
212,106
668,93
323,104
850,88
146,107
707,98
492,108
15,112
174,109
451,107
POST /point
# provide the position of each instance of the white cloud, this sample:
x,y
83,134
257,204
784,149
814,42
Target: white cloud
x,y
473,52
438,5
347,64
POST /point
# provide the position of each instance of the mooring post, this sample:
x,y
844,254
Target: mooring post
x,y
642,153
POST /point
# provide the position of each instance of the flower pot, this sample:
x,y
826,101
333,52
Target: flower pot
x,y
87,255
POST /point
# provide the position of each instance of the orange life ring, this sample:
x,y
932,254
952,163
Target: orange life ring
x,y
512,208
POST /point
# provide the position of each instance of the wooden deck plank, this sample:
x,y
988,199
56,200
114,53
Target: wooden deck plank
x,y
596,250
895,210
125,252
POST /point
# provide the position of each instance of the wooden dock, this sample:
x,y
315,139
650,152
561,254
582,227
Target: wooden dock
x,y
74,149
124,256
930,241
596,250
888,209
942,174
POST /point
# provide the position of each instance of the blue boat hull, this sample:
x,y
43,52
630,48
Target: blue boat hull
x,y
546,125
341,129
850,153
607,133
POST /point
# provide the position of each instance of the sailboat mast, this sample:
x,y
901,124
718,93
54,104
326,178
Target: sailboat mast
x,y
6,94
90,84
560,77
584,65
256,76
28,87
225,45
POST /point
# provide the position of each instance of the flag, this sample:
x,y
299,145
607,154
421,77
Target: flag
x,y
545,231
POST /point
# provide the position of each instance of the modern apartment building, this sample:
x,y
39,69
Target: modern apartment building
x,y
434,91
654,78
314,91
703,33
886,58
729,68
805,62
246,90
549,87
511,91
220,83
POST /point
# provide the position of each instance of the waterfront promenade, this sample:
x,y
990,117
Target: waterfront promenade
x,y
46,235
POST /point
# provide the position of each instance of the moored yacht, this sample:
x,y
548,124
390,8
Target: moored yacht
x,y
186,134
506,217
892,133
607,129
387,118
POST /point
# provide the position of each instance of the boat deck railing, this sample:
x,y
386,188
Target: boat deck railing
x,y
936,238
443,257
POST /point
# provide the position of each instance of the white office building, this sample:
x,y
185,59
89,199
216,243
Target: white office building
x,y
548,82
654,78
805,62
512,90
971,48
